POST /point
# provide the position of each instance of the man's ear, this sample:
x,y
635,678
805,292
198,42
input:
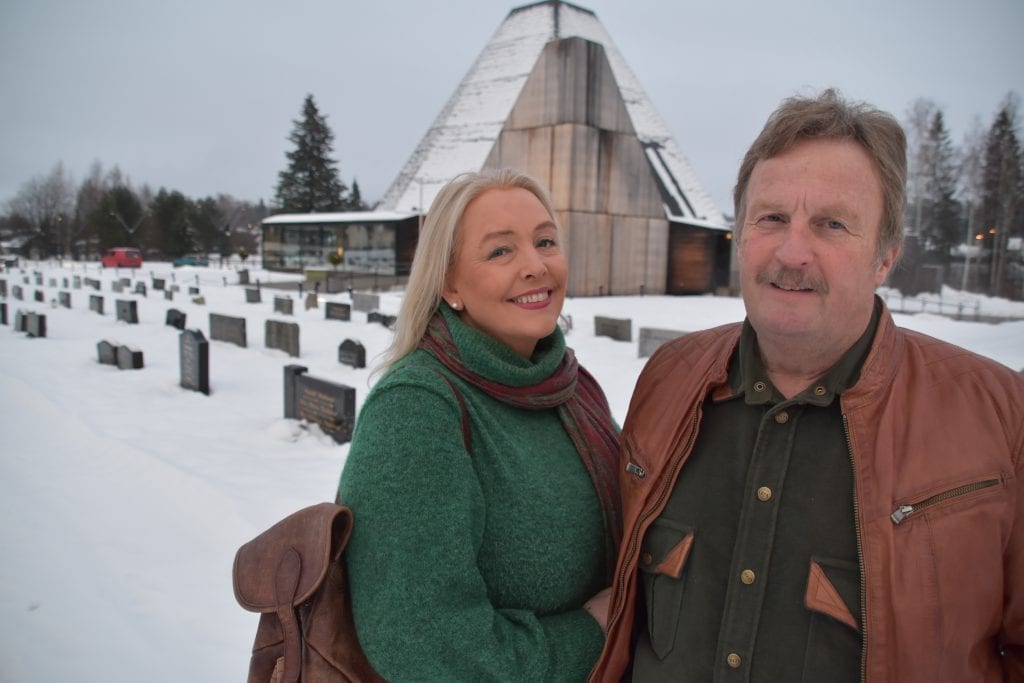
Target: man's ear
x,y
885,265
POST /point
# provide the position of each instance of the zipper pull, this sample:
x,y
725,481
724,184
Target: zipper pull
x,y
901,513
636,470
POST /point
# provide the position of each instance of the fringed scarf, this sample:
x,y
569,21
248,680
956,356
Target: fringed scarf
x,y
581,406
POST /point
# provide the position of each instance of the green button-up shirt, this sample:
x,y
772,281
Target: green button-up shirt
x,y
767,491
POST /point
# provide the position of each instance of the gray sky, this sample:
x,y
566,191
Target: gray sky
x,y
199,95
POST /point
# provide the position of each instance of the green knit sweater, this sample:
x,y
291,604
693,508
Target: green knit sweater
x,y
471,566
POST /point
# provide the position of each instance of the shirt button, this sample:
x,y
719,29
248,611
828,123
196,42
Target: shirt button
x,y
782,417
764,494
733,660
747,576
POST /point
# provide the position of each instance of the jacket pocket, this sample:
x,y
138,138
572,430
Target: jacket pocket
x,y
833,637
662,562
947,496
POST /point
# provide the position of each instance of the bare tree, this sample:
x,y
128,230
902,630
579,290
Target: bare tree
x,y
47,204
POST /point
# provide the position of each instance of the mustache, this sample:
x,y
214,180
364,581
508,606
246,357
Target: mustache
x,y
792,278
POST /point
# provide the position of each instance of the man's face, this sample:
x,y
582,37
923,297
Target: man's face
x,y
807,253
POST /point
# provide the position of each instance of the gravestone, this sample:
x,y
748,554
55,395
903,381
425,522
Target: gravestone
x,y
281,335
127,310
652,337
19,320
312,301
243,276
116,286
387,321
39,279
168,295
158,284
3,312
26,280
3,288
283,305
351,352
52,283
35,324
107,352
335,311
126,282
96,303
194,357
175,318
128,358
252,295
140,288
76,281
193,291
17,293
361,301
199,300
620,329
65,283
331,406
39,295
94,283
64,298
227,328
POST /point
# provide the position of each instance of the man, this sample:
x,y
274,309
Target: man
x,y
816,494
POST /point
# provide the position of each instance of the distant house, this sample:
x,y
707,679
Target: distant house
x,y
551,95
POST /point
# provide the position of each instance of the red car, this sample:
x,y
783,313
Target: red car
x,y
122,257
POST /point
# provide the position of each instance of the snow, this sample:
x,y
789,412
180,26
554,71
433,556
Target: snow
x,y
124,497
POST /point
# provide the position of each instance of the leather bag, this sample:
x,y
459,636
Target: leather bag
x,y
293,575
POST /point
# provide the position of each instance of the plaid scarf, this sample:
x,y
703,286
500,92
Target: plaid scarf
x,y
582,408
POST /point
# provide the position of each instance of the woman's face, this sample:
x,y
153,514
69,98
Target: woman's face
x,y
509,275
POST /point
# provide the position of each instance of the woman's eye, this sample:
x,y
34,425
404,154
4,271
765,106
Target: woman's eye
x,y
546,242
498,252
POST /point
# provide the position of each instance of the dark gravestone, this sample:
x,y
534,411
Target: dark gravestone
x,y
252,295
64,283
39,295
175,318
334,311
91,282
76,281
227,328
243,276
128,311
26,280
96,303
351,352
126,282
35,325
128,358
168,295
3,287
387,321
365,302
158,284
282,335
140,288
620,329
107,353
652,337
312,301
194,354
17,293
39,279
64,298
283,305
3,312
19,320
330,405
193,291
116,286
52,283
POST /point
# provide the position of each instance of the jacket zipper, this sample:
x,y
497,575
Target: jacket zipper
x,y
634,539
860,559
903,511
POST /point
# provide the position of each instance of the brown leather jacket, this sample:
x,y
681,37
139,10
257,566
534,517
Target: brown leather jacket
x,y
936,435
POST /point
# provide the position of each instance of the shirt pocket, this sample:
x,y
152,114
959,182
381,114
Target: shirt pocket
x,y
662,562
833,636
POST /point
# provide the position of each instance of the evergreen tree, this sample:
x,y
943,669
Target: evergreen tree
x,y
311,182
172,226
940,226
1000,212
355,198
118,218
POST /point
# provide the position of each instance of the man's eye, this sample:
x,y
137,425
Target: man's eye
x,y
835,225
770,218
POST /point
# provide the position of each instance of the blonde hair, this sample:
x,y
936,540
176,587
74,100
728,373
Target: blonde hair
x,y
436,249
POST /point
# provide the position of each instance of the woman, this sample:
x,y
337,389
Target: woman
x,y
482,470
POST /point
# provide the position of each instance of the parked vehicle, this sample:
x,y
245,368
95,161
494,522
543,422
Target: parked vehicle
x,y
122,257
191,260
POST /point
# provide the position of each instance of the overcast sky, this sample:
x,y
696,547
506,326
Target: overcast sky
x,y
200,95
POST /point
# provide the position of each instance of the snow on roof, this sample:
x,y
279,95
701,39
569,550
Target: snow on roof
x,y
340,217
464,132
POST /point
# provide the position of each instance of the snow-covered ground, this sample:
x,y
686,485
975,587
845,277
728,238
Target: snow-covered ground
x,y
123,496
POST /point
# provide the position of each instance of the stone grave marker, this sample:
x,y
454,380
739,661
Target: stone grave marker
x,y
281,335
312,301
243,276
35,324
283,305
227,328
52,283
175,318
336,311
159,284
168,295
3,287
619,329
39,279
194,357
140,288
362,301
3,312
128,358
351,352
64,299
96,303
116,286
107,352
92,282
17,293
19,320
193,291
652,337
252,295
76,281
331,406
39,295
387,321
65,284
127,310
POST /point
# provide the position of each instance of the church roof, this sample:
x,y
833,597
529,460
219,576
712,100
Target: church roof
x,y
465,131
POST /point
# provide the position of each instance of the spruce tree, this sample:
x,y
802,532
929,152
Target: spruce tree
x,y
311,182
941,226
1001,195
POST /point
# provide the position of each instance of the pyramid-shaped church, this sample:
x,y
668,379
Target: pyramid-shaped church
x,y
551,95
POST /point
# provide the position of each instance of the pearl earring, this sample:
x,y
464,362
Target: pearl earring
x,y
455,305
